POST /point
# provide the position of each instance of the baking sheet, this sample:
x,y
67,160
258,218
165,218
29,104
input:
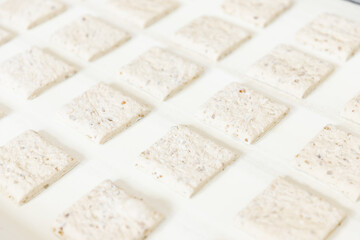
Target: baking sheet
x,y
210,213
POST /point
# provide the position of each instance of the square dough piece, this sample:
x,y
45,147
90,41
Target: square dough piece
x,y
333,157
185,160
143,13
286,211
257,12
241,112
212,37
4,36
107,212
30,73
89,38
290,70
102,112
160,73
332,34
29,164
26,14
351,110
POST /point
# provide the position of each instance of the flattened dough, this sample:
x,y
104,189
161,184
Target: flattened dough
x,y
102,112
185,160
26,14
30,73
29,164
286,211
241,112
211,37
89,38
333,157
351,110
257,12
160,72
331,34
291,70
143,13
107,212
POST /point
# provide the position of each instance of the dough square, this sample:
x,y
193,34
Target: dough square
x,y
4,36
241,112
351,110
212,37
160,73
102,112
331,34
143,13
291,70
287,211
333,157
89,38
31,72
29,164
184,160
107,212
256,12
26,14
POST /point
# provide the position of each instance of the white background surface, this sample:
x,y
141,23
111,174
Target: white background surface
x,y
210,213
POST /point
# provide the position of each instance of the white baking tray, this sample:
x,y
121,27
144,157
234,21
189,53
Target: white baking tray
x,y
209,215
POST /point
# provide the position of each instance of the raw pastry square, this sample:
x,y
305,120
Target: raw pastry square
x,y
257,12
290,70
351,110
102,112
212,37
89,38
143,13
29,164
241,112
333,157
30,73
107,212
332,34
26,14
160,73
4,36
185,160
286,211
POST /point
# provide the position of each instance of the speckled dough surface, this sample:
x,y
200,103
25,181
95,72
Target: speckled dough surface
x,y
102,112
29,164
4,36
30,73
160,72
185,160
89,38
211,37
333,157
351,110
286,211
241,112
332,34
143,13
107,212
29,13
291,70
257,12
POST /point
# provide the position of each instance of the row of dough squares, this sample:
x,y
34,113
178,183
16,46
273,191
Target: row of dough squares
x,y
286,68
102,111
185,160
